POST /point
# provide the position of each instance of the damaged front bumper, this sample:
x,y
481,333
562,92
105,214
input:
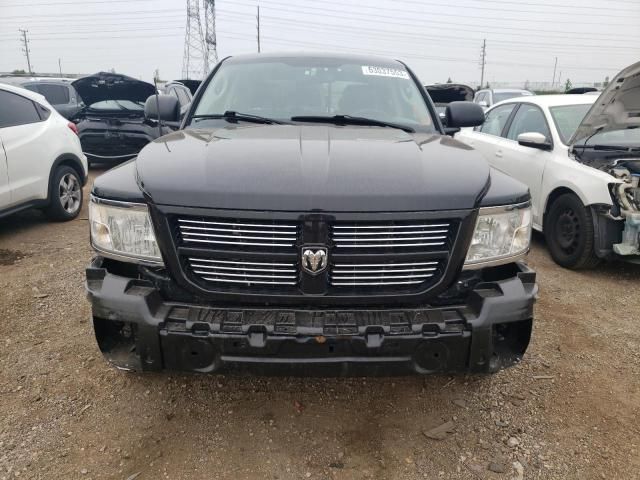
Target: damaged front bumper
x,y
136,329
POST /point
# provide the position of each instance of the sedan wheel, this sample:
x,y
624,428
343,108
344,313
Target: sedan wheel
x,y
568,230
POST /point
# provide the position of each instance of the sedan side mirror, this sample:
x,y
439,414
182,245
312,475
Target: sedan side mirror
x,y
464,114
534,140
165,107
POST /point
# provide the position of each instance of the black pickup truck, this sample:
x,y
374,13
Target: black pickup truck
x,y
311,215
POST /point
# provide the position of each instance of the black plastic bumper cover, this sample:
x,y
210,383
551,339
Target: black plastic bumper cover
x,y
136,329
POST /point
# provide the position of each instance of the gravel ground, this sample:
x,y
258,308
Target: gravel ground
x,y
569,411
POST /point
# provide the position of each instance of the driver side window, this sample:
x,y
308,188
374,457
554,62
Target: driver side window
x,y
528,118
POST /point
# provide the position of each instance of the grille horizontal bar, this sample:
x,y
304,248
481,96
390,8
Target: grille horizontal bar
x,y
411,273
239,233
238,224
391,235
388,227
248,273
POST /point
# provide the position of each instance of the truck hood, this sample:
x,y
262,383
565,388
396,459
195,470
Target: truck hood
x,y
103,86
617,107
311,167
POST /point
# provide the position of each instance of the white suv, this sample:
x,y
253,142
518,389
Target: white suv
x,y
41,161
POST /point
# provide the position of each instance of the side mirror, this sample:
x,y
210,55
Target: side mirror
x,y
483,104
165,106
464,114
534,140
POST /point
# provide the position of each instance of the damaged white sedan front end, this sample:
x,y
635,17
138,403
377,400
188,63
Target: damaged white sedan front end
x,y
608,139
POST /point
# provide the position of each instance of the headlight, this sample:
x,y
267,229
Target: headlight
x,y
502,234
123,231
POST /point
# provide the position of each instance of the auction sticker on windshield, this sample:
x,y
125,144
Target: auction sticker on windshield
x,y
385,72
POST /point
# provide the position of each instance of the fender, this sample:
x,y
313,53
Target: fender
x,y
71,160
592,189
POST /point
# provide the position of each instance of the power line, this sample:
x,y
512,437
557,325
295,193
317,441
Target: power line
x,y
538,6
483,31
52,36
74,21
93,15
323,45
419,2
381,35
78,4
376,18
424,57
384,34
501,10
344,30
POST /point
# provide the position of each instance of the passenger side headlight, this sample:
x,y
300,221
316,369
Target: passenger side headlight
x,y
123,231
501,235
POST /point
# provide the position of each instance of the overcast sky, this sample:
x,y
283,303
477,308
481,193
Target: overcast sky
x,y
437,38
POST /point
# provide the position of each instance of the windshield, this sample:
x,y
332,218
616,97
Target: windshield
x,y
628,137
282,88
567,119
117,105
498,97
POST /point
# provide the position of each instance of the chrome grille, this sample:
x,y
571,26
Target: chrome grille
x,y
391,235
243,272
391,273
238,233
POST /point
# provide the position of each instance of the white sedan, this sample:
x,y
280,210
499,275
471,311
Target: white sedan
x,y
583,181
41,161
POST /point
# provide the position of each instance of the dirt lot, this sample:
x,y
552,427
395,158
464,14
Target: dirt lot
x,y
569,410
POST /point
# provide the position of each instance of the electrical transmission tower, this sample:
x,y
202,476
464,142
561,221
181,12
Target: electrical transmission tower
x,y
25,47
211,52
194,50
200,54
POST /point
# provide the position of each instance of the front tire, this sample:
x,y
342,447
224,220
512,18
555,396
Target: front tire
x,y
568,230
65,196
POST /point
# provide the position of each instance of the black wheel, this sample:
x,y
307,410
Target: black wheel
x,y
568,230
65,195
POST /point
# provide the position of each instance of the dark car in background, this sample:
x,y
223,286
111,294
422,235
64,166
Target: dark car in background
x,y
111,125
442,94
59,93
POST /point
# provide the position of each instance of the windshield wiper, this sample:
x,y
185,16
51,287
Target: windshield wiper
x,y
350,120
233,116
616,148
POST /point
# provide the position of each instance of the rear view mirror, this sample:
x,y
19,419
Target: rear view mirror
x,y
166,107
534,140
463,114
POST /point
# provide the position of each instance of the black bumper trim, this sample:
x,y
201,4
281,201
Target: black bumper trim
x,y
136,329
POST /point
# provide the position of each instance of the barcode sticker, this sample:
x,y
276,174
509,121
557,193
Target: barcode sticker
x,y
385,72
